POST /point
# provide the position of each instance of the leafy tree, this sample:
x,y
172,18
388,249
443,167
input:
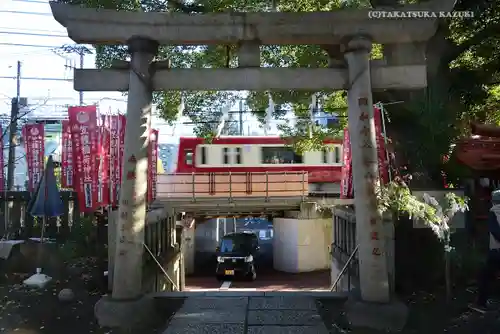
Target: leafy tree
x,y
463,60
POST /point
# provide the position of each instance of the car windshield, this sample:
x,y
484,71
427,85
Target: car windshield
x,y
236,243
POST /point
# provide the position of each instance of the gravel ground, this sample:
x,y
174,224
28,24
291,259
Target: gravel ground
x,y
429,314
28,311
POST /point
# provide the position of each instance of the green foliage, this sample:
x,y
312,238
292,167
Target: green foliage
x,y
80,239
396,199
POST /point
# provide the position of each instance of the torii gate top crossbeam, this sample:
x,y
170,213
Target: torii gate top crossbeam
x,y
102,26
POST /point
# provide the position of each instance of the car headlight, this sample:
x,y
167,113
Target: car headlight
x,y
220,259
249,258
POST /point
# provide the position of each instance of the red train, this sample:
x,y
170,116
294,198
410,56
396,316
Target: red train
x,y
258,154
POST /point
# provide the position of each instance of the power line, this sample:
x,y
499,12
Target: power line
x,y
30,34
31,45
35,30
33,78
32,1
24,13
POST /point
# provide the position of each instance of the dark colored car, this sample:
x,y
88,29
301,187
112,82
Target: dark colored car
x,y
235,256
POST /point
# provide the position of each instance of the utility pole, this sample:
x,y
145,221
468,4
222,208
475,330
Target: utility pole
x,y
79,50
11,164
82,60
14,114
241,117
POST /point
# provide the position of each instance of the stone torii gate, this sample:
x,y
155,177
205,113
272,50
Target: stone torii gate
x,y
346,35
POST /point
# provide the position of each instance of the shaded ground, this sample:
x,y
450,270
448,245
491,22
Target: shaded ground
x,y
429,313
29,311
269,280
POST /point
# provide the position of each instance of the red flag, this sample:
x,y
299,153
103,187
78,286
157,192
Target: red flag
x,y
122,122
85,136
104,138
152,165
66,156
381,150
35,152
2,162
346,186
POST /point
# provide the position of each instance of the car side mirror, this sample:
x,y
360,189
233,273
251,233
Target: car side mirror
x,y
217,249
257,248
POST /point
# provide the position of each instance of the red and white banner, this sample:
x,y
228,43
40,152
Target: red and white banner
x,y
66,156
85,136
34,142
116,129
383,165
122,122
2,161
152,165
104,156
346,186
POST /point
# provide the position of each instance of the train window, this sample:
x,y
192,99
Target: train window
x,y
237,154
325,156
203,155
280,155
338,158
189,157
226,155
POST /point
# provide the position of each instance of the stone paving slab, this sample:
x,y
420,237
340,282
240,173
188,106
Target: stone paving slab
x,y
282,303
319,329
283,317
207,329
214,303
214,316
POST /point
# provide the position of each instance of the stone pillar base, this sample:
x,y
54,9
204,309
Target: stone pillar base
x,y
125,314
384,317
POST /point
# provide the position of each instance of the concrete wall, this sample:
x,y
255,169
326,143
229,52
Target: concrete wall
x,y
301,245
189,249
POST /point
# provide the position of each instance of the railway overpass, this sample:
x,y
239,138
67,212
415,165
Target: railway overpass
x,y
282,197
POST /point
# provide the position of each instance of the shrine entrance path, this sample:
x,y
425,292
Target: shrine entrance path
x,y
250,315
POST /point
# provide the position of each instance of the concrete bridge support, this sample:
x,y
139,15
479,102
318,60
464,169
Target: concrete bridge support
x,y
301,240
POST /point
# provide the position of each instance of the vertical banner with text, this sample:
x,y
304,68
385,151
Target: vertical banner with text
x,y
114,123
104,152
122,122
66,156
346,186
85,136
152,165
383,166
2,162
34,142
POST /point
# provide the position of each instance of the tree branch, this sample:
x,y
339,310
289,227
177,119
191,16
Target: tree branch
x,y
490,31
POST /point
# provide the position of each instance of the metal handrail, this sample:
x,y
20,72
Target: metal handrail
x,y
344,269
194,181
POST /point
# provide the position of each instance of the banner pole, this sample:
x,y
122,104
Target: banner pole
x,y
382,115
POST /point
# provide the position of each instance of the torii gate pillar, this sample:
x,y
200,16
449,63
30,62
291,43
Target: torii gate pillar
x,y
374,281
127,305
127,275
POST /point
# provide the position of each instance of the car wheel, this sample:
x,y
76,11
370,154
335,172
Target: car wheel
x,y
221,278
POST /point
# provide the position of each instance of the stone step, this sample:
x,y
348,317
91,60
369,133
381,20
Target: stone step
x,y
280,313
250,293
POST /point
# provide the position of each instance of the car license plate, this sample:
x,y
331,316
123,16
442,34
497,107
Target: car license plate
x,y
229,272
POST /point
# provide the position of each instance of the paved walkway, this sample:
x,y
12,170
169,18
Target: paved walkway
x,y
247,315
